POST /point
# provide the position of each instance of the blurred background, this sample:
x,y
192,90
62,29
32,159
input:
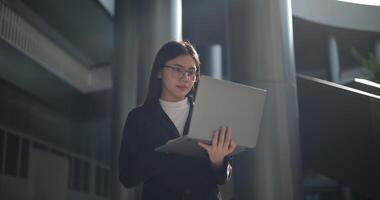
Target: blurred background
x,y
71,70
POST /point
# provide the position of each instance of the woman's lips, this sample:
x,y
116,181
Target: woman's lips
x,y
182,87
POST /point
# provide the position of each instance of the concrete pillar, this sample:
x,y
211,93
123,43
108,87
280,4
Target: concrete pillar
x,y
346,193
377,49
261,54
125,76
141,28
211,60
161,21
334,65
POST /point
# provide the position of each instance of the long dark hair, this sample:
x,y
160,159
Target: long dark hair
x,y
167,52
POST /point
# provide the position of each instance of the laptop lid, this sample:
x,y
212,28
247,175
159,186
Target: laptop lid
x,y
225,103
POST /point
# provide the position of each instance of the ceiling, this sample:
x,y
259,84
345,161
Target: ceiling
x,y
85,28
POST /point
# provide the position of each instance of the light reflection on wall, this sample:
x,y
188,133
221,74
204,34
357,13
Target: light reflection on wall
x,y
363,2
109,5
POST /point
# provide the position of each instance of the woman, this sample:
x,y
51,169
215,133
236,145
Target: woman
x,y
164,116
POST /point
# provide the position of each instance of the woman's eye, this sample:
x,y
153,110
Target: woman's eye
x,y
192,73
177,70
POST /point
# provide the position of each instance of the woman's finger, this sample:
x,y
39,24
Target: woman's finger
x,y
227,140
214,141
232,147
204,146
222,133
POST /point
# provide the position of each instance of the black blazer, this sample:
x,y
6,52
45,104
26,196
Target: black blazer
x,y
165,176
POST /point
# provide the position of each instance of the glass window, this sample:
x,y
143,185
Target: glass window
x,y
77,174
2,135
71,173
86,176
24,159
106,182
98,190
12,154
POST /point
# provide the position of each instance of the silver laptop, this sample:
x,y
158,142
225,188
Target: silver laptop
x,y
221,103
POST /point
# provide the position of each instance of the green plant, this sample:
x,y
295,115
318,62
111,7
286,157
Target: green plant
x,y
371,63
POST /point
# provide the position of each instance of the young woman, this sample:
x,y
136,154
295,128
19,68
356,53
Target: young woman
x,y
163,117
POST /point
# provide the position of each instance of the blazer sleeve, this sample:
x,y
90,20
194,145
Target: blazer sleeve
x,y
135,165
224,173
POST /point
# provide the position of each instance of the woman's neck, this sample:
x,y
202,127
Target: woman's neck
x,y
171,99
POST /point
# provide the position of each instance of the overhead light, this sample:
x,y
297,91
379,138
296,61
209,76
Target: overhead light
x,y
363,2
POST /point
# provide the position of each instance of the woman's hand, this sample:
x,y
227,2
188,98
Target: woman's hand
x,y
221,145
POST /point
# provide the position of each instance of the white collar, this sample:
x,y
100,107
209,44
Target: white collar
x,y
177,104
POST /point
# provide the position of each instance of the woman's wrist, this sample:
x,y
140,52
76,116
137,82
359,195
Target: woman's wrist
x,y
217,164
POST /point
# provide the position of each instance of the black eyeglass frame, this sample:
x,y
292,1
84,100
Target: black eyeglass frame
x,y
188,73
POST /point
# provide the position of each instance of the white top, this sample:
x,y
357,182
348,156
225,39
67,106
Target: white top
x,y
177,112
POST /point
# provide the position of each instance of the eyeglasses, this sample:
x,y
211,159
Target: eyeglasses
x,y
180,73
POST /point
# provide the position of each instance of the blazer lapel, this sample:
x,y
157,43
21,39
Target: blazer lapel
x,y
161,117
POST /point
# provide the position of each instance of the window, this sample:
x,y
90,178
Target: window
x,y
98,181
79,175
102,181
12,155
24,163
2,135
86,176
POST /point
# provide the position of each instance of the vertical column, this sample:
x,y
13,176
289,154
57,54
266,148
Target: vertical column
x,y
377,49
216,61
346,193
161,21
211,59
261,54
125,78
141,27
334,66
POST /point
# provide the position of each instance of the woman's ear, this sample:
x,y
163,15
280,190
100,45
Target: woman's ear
x,y
159,76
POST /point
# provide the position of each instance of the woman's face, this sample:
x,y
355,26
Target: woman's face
x,y
177,78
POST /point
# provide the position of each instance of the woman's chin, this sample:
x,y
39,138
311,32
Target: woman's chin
x,y
182,93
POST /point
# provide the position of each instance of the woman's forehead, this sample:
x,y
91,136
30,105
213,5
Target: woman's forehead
x,y
185,61
184,67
